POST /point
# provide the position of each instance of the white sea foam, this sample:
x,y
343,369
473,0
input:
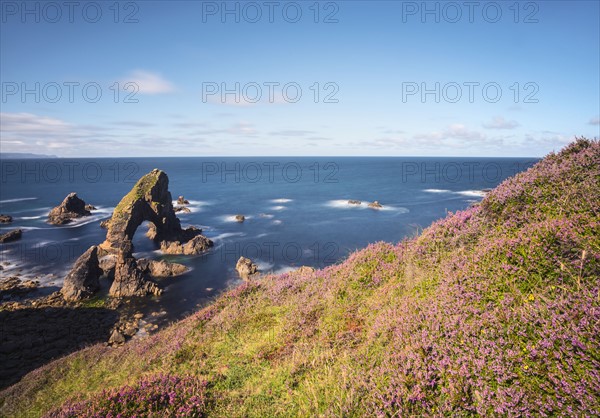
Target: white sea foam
x,y
343,204
193,206
17,200
231,218
266,215
437,191
30,217
281,200
277,222
284,269
263,266
227,235
279,208
472,193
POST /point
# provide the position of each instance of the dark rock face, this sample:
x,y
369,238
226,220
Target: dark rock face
x,y
182,209
13,235
245,267
240,218
129,278
90,207
149,200
71,207
83,279
5,219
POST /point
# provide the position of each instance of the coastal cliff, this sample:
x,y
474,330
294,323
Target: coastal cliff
x,y
492,310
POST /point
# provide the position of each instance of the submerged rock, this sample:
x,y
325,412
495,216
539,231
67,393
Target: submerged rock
x,y
354,202
5,219
245,267
240,218
13,235
83,279
72,207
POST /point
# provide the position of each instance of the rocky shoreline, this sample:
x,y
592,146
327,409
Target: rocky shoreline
x,y
38,328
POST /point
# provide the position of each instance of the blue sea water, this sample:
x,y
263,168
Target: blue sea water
x,y
296,210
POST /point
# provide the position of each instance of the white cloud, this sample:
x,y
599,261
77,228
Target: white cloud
x,y
454,131
242,128
595,121
291,132
149,82
30,124
498,122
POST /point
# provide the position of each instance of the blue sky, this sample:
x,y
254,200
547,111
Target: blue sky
x,y
369,62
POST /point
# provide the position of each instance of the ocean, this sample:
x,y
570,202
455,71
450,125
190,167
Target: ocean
x,y
297,212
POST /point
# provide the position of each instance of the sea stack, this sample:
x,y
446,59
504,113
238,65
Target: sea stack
x,y
72,207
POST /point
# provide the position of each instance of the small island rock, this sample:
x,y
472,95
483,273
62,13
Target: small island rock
x,y
71,207
13,235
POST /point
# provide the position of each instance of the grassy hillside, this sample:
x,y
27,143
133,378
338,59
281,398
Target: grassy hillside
x,y
492,310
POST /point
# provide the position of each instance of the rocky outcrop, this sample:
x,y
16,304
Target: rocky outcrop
x,y
354,202
245,267
305,270
160,268
149,200
375,205
129,278
83,279
104,223
183,209
240,218
13,235
90,208
196,245
72,207
15,287
5,219
182,201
